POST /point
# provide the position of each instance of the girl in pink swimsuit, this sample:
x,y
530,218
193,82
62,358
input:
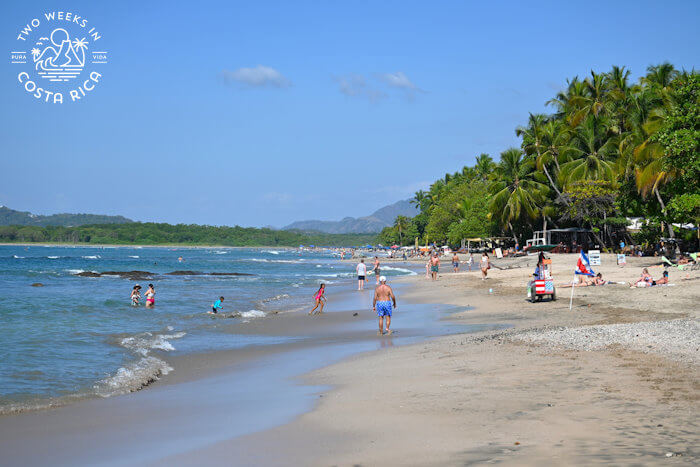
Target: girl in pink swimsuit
x,y
320,299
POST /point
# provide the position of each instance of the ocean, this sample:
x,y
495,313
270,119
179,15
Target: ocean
x,y
77,337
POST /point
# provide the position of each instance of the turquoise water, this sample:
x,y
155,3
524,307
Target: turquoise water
x,y
80,337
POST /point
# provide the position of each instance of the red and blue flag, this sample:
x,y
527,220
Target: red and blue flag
x,y
583,266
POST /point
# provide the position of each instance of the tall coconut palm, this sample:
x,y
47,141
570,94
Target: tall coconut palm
x,y
593,152
401,224
563,101
517,192
418,199
484,166
593,102
535,143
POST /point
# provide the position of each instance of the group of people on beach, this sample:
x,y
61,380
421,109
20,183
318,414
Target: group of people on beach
x,y
432,267
383,303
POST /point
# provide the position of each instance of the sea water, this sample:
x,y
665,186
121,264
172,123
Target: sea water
x,y
76,337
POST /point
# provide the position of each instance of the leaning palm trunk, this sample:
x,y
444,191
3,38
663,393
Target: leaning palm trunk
x,y
663,210
512,230
551,182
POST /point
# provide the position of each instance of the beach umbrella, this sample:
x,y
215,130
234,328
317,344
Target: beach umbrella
x,y
394,246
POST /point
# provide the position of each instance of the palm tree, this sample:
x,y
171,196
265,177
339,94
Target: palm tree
x,y
592,102
401,224
418,199
593,152
484,166
516,190
534,144
660,76
563,101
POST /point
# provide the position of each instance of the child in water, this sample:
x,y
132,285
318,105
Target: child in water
x,y
217,306
135,295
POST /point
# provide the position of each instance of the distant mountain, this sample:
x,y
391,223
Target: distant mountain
x,y
11,217
373,223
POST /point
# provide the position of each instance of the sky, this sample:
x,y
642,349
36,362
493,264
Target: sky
x,y
263,113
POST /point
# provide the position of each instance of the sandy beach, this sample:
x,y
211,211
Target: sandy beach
x,y
529,395
475,374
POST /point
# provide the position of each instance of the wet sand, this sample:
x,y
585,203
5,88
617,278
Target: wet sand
x,y
467,398
218,396
492,398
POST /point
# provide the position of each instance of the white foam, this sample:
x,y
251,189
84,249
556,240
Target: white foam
x,y
221,252
133,377
252,314
17,257
53,257
133,256
145,342
408,271
75,271
272,252
91,257
276,297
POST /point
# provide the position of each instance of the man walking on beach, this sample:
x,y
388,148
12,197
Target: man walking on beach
x,y
382,304
434,266
377,269
361,274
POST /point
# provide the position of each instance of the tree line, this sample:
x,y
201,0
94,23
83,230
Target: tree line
x,y
138,233
611,149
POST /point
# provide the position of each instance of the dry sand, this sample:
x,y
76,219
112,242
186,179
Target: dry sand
x,y
511,397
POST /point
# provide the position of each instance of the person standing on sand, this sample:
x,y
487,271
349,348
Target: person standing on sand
x,y
377,269
470,261
455,263
485,265
382,304
320,299
434,266
361,274
150,296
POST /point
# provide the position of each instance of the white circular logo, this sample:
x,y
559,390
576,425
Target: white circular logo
x,y
58,57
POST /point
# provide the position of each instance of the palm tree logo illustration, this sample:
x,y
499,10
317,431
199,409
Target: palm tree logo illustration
x,y
61,59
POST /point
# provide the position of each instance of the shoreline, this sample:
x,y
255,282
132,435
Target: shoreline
x,y
486,396
135,245
208,388
495,396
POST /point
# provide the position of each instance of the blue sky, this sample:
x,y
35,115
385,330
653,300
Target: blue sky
x,y
262,113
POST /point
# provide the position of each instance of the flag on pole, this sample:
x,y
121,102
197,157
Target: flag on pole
x,y
583,266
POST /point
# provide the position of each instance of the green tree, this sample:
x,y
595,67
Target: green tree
x,y
517,190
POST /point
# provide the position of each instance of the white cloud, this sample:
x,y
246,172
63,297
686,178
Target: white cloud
x,y
397,80
356,85
258,76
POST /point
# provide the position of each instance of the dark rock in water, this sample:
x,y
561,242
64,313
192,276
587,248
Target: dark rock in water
x,y
89,274
135,275
230,274
37,284
184,273
355,314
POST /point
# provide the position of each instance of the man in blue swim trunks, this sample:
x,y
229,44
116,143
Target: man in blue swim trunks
x,y
382,304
